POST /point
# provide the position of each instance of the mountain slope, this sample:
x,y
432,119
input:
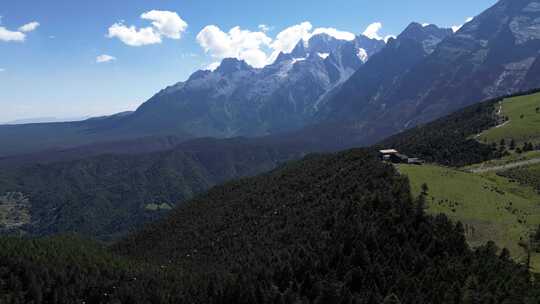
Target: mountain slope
x,y
344,222
494,54
328,229
379,75
236,99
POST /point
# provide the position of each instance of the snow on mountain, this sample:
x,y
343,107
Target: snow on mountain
x,y
237,99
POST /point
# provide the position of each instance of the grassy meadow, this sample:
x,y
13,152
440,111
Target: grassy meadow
x,y
523,126
490,207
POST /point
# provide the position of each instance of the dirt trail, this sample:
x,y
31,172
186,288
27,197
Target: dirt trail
x,y
507,166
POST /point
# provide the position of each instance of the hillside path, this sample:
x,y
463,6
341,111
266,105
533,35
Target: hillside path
x,y
507,166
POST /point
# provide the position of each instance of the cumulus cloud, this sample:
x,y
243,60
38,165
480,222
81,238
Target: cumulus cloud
x,y
29,27
133,36
257,48
105,58
167,23
456,28
7,35
237,43
265,28
20,34
164,24
287,39
372,31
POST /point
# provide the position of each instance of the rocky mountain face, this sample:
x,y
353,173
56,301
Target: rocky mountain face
x,y
234,100
371,82
497,53
237,99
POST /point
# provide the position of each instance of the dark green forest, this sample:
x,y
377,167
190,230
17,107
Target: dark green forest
x,y
106,196
339,228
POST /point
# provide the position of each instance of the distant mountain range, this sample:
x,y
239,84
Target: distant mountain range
x,y
43,120
359,91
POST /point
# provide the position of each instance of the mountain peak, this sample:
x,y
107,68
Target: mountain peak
x,y
428,35
283,57
419,32
231,65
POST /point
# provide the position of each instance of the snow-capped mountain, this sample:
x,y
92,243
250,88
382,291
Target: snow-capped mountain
x,y
236,99
496,53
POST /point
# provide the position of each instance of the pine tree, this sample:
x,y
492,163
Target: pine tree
x,y
470,291
512,144
425,189
391,299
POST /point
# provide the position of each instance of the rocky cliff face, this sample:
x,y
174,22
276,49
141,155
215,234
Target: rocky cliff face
x,y
237,99
366,91
493,55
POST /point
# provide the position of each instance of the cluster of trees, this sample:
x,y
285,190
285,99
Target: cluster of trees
x,y
527,146
339,228
512,146
450,140
529,176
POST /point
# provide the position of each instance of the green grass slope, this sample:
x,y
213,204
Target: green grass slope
x,y
523,125
491,207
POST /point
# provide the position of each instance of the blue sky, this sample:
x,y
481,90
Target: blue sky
x,y
53,69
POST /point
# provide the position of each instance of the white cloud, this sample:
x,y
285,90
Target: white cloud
x,y
388,37
456,28
257,48
7,35
29,27
265,28
164,23
133,36
20,34
287,39
167,23
2,70
237,43
372,31
105,58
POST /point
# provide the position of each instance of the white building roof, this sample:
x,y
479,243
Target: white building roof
x,y
388,151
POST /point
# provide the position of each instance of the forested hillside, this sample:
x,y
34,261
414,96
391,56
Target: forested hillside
x,y
337,228
109,195
452,140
